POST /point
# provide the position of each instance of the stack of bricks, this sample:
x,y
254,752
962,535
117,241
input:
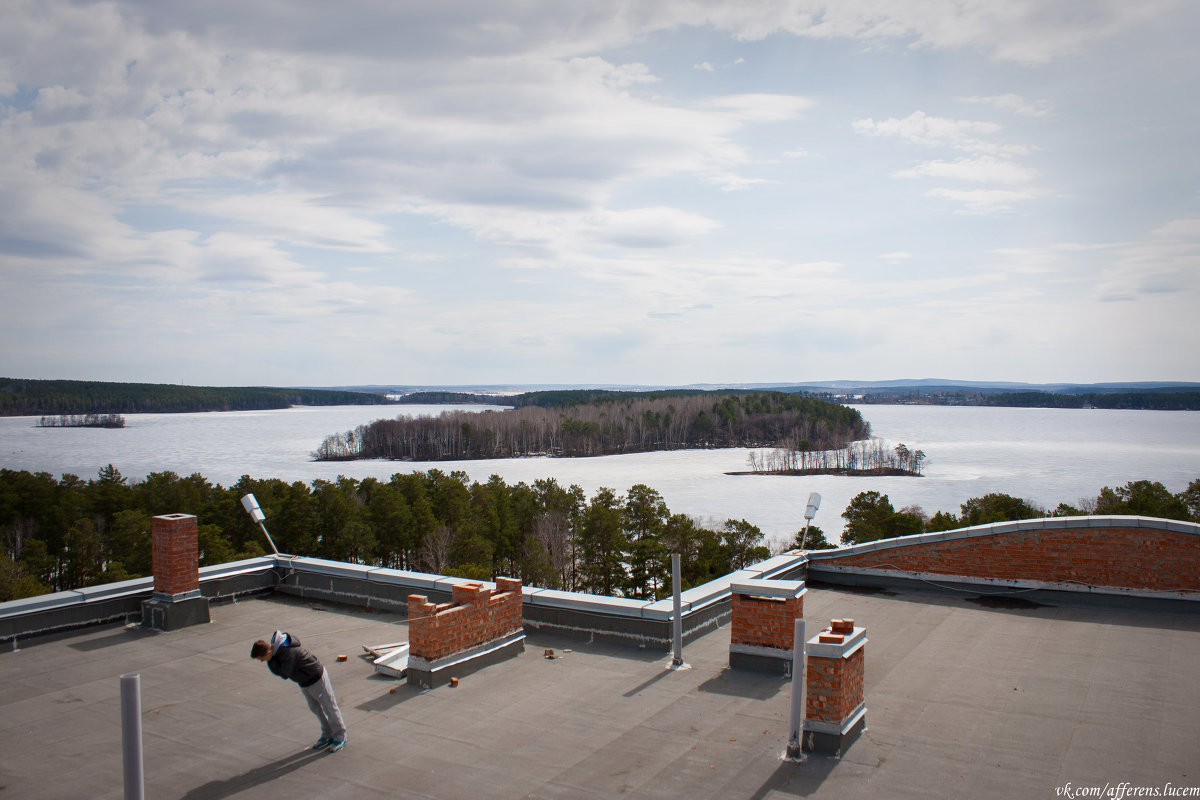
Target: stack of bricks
x,y
176,555
474,616
765,621
836,665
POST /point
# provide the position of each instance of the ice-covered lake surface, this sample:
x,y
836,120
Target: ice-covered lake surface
x,y
1046,456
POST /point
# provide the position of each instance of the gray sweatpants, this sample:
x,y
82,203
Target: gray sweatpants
x,y
322,703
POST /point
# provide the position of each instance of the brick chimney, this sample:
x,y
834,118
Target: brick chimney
x,y
762,628
835,710
176,602
478,627
176,555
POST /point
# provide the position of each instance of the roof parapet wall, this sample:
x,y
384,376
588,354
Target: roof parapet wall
x,y
1125,555
635,621
623,619
122,601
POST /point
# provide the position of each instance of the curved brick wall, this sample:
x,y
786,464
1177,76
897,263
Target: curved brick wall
x,y
1122,553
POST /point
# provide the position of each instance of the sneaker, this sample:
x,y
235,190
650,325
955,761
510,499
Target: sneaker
x,y
322,743
335,746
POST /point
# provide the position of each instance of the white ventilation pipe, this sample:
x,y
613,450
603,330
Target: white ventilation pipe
x,y
131,735
677,660
798,676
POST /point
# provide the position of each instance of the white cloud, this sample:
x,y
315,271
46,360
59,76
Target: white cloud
x,y
262,172
1155,269
59,227
1024,31
983,201
759,107
1080,247
989,162
920,128
1164,263
293,218
984,169
1015,104
325,151
1179,230
648,227
1067,263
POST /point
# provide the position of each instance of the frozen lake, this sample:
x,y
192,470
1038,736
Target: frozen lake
x,y
1046,456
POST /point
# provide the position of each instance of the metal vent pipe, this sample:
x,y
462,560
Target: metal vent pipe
x,y
677,659
131,736
798,677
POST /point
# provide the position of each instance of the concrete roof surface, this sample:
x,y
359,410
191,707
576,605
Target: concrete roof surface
x,y
963,701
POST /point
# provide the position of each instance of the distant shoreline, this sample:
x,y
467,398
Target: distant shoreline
x,y
20,397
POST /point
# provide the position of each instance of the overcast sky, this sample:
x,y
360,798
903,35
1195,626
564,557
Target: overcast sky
x,y
382,191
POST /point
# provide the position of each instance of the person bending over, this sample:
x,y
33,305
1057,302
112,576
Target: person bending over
x,y
287,659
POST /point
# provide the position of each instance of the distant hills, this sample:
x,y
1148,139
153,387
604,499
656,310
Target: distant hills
x,y
1146,395
939,384
816,387
30,397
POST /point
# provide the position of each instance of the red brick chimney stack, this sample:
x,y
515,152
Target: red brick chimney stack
x,y
177,601
835,710
763,622
176,554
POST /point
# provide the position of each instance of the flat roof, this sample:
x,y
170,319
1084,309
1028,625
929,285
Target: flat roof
x,y
963,700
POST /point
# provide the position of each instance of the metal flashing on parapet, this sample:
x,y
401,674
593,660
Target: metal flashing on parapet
x,y
958,583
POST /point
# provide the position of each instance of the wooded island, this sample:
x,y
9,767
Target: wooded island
x,y
863,458
82,421
596,423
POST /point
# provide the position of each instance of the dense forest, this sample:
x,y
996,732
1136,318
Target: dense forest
x,y
575,423
452,398
552,398
67,533
20,397
1155,401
